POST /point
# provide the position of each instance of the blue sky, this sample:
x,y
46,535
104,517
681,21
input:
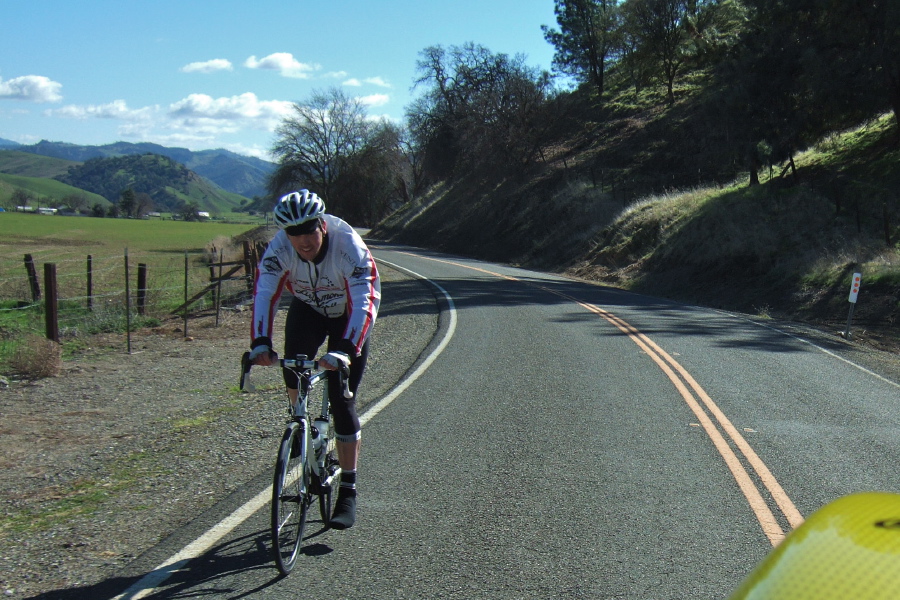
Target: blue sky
x,y
204,74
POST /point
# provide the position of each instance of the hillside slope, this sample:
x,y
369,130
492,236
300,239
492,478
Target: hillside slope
x,y
13,162
41,187
168,182
785,249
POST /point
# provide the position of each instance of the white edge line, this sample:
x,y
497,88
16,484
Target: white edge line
x,y
148,583
813,344
401,387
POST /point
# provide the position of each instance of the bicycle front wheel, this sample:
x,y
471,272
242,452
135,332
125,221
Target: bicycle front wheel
x,y
290,498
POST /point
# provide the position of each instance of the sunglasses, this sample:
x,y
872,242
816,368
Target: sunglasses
x,y
303,228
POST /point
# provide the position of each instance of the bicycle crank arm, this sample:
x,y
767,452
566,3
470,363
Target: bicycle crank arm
x,y
330,479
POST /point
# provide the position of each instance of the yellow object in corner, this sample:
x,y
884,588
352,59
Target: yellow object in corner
x,y
848,550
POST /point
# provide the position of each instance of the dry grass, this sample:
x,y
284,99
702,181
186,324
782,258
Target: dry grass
x,y
37,357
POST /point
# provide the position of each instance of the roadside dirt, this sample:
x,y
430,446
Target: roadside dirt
x,y
102,462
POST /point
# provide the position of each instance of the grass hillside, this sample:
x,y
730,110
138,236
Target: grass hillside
x,y
34,174
42,188
13,162
631,195
165,180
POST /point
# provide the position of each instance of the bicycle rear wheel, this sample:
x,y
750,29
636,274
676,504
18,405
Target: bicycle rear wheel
x,y
290,499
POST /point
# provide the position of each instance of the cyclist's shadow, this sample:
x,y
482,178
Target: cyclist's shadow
x,y
224,570
309,549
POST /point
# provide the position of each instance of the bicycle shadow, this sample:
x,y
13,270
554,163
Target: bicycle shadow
x,y
225,570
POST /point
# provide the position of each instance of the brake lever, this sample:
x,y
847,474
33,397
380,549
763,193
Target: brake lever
x,y
345,382
246,385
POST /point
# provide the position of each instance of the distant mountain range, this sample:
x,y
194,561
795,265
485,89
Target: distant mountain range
x,y
235,173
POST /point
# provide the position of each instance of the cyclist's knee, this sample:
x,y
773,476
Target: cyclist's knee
x,y
346,421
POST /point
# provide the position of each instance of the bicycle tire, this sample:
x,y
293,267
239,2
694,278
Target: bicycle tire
x,y
290,499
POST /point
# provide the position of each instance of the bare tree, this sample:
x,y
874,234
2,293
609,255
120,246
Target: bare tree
x,y
478,110
143,203
21,197
76,202
314,144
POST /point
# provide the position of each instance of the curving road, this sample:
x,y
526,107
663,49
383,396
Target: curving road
x,y
565,440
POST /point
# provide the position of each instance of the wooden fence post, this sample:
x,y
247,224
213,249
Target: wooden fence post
x,y
90,282
51,307
218,292
211,263
248,265
32,278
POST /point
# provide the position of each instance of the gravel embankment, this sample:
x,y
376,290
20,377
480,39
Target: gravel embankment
x,y
104,461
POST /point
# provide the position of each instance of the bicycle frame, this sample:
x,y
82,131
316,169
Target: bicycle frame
x,y
303,472
308,376
307,379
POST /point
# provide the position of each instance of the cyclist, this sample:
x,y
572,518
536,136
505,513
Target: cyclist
x,y
329,270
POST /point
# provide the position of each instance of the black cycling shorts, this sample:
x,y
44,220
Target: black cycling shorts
x,y
305,331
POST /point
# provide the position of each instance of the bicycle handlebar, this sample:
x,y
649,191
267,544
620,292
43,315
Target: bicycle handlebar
x,y
301,363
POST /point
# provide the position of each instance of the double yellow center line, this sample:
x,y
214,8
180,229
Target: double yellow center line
x,y
711,418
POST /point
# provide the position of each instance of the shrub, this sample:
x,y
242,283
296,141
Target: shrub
x,y
37,357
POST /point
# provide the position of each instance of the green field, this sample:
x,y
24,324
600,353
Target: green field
x,y
171,252
68,241
20,233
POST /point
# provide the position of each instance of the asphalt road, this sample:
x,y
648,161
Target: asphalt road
x,y
571,441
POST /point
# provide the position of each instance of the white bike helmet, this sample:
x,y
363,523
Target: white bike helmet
x,y
297,208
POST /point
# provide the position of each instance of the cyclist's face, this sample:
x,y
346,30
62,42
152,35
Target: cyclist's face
x,y
308,244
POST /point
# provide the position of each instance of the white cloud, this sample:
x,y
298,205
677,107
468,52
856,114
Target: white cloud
x,y
284,63
117,109
375,99
196,121
353,81
209,66
335,74
33,88
378,81
245,107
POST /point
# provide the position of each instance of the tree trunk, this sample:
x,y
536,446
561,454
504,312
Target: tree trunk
x,y
754,176
754,171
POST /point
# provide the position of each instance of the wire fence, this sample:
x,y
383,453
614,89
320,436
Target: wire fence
x,y
54,295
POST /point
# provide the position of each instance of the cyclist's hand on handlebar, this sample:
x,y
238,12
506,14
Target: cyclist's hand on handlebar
x,y
334,360
263,356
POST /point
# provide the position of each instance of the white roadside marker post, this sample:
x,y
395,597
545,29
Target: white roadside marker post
x,y
854,293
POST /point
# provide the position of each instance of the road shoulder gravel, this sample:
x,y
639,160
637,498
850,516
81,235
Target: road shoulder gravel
x,y
121,450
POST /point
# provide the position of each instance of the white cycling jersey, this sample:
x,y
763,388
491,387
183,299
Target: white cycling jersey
x,y
345,280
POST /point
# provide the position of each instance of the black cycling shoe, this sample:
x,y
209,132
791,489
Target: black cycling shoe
x,y
344,515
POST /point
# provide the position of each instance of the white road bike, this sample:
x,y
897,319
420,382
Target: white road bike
x,y
307,464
